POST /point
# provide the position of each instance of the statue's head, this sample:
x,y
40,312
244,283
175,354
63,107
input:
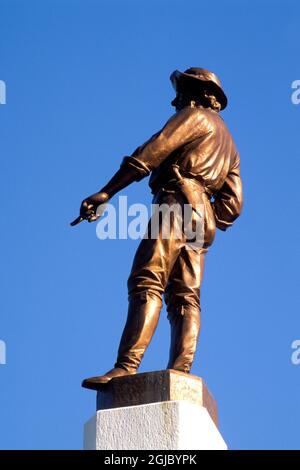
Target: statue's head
x,y
198,86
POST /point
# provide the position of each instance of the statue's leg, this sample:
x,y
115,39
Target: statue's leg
x,y
183,304
152,265
142,319
143,314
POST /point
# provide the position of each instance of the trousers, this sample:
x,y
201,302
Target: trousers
x,y
166,265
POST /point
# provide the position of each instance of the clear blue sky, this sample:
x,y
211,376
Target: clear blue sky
x,y
87,81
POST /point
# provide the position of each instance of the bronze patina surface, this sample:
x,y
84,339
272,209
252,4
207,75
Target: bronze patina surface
x,y
191,160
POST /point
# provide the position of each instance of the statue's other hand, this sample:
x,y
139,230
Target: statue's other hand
x,y
89,206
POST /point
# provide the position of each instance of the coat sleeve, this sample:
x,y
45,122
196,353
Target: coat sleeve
x,y
228,201
181,128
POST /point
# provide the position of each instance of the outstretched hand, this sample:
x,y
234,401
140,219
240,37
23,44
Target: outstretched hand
x,y
89,206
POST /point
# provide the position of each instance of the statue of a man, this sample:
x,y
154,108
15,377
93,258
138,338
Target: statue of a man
x,y
192,160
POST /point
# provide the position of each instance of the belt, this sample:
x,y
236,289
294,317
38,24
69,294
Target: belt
x,y
176,177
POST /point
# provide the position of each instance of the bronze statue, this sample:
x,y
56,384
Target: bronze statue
x,y
193,159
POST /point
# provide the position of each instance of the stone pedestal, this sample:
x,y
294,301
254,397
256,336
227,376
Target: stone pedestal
x,y
165,410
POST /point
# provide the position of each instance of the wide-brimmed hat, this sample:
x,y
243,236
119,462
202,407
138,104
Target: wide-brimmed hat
x,y
195,79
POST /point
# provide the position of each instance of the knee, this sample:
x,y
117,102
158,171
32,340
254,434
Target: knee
x,y
180,303
145,282
140,295
188,312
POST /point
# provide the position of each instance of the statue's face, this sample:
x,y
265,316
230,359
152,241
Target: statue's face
x,y
180,101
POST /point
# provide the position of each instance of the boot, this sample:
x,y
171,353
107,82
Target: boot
x,y
142,319
185,327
